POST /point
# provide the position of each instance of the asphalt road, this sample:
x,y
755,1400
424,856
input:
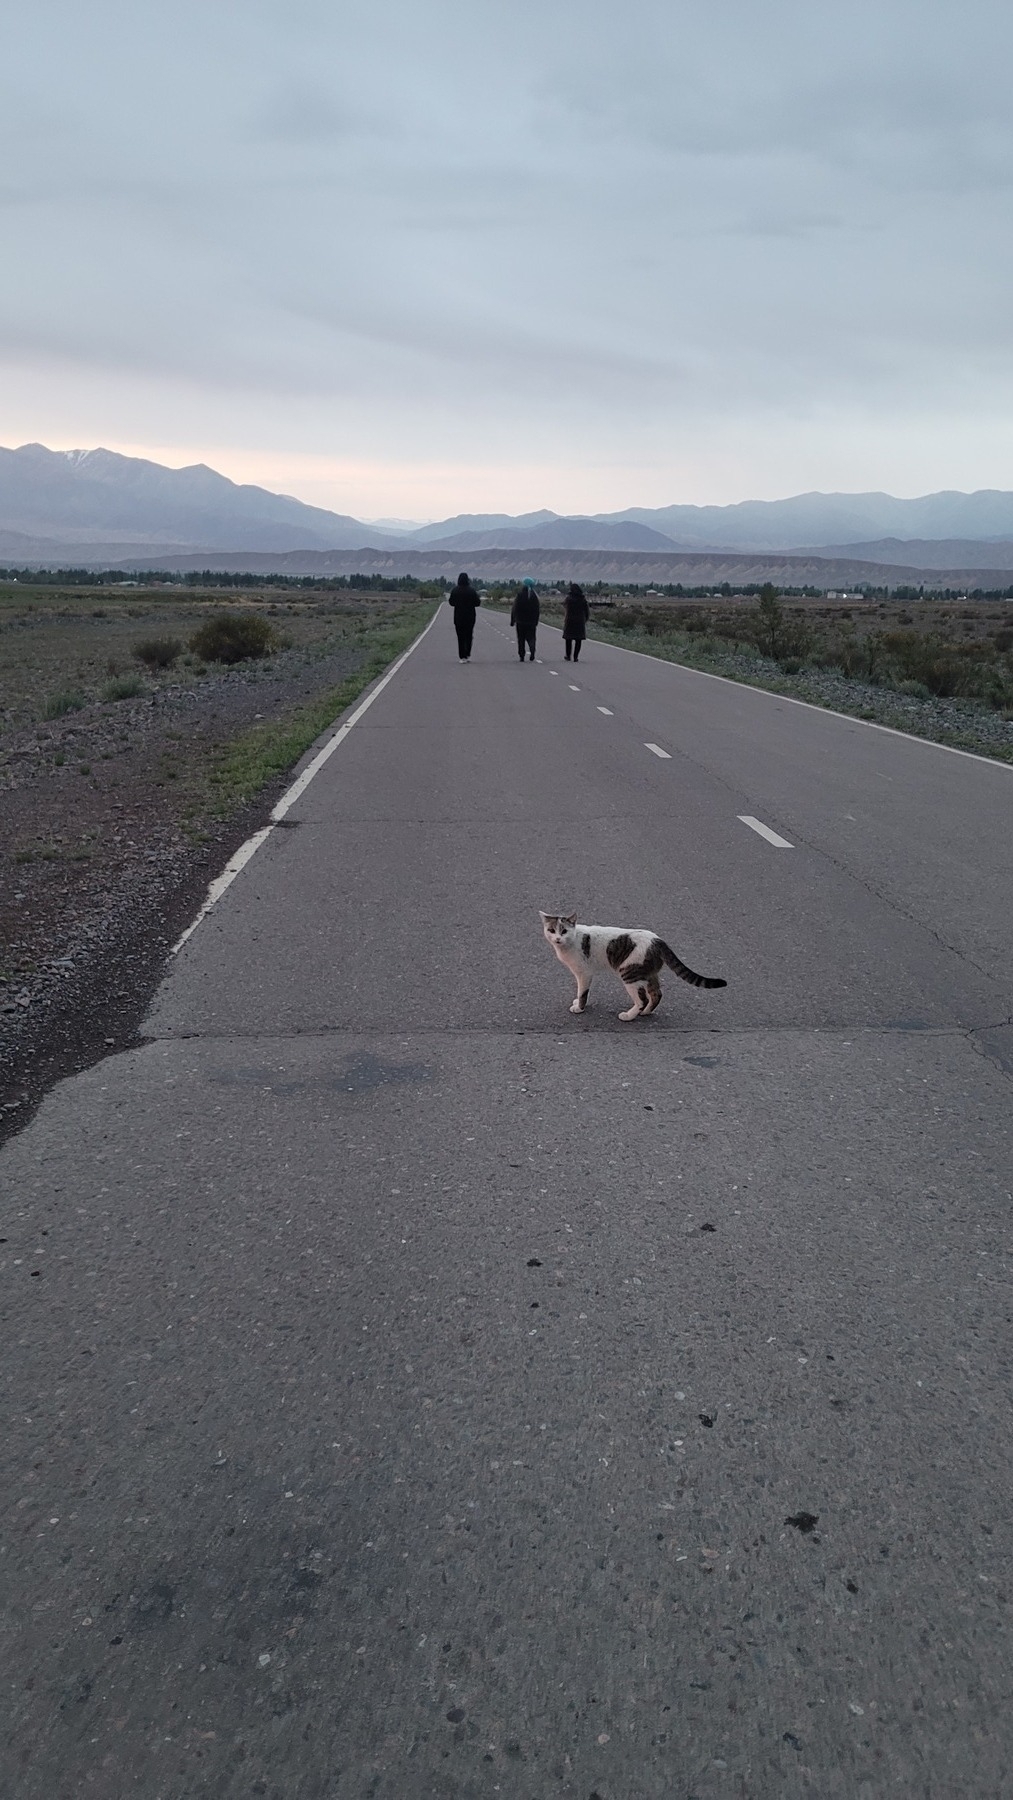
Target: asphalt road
x,y
417,1391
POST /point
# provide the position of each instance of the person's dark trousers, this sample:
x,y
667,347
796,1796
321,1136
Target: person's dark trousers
x,y
465,633
572,649
526,637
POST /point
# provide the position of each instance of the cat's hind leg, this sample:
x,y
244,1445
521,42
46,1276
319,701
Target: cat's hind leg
x,y
583,987
638,993
654,994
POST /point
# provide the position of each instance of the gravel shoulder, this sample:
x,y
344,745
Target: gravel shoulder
x,y
115,816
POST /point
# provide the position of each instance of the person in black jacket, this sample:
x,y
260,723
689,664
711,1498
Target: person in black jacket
x,y
464,600
524,615
576,613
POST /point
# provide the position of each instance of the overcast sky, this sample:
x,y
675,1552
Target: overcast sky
x,y
414,257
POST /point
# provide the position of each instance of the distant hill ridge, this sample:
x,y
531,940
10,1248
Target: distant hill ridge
x,y
96,505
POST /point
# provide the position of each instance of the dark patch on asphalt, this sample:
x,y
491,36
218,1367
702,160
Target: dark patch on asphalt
x,y
363,1075
706,1419
708,1228
703,1062
154,1606
534,1262
78,1694
455,1715
788,1737
366,1073
805,1522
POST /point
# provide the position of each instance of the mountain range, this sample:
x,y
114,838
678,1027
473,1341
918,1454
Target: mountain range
x,y
96,506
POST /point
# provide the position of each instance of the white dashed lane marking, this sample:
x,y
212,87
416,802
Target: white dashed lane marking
x,y
658,751
574,689
757,825
606,710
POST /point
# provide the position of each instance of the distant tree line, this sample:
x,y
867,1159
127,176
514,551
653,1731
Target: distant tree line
x,y
432,589
227,578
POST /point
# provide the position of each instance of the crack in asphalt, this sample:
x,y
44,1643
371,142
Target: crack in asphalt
x,y
410,1034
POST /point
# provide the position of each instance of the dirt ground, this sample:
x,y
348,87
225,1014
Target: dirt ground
x,y
110,829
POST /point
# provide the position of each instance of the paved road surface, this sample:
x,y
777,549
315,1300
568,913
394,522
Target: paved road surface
x,y
415,1390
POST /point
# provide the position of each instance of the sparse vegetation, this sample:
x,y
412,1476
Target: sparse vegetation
x,y
158,652
234,637
866,645
123,687
58,705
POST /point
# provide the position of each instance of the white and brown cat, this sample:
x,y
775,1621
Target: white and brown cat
x,y
636,956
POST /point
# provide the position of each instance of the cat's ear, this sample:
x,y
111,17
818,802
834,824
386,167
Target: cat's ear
x,y
547,918
569,919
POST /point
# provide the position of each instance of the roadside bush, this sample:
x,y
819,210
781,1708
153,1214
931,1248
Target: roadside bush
x,y
158,653
59,704
123,687
233,637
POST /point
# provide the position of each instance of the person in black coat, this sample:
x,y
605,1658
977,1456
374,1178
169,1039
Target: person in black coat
x,y
524,616
464,600
576,613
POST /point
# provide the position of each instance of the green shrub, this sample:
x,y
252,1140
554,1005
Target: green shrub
x,y
59,704
158,653
233,637
123,687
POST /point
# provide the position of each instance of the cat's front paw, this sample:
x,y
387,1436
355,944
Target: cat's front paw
x,y
575,1006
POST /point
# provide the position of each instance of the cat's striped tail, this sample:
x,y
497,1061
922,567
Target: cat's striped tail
x,y
708,981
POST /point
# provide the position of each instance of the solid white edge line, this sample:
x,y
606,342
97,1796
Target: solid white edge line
x,y
779,843
827,712
302,781
658,751
291,795
224,880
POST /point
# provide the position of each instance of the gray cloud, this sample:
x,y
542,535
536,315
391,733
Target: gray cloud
x,y
428,221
